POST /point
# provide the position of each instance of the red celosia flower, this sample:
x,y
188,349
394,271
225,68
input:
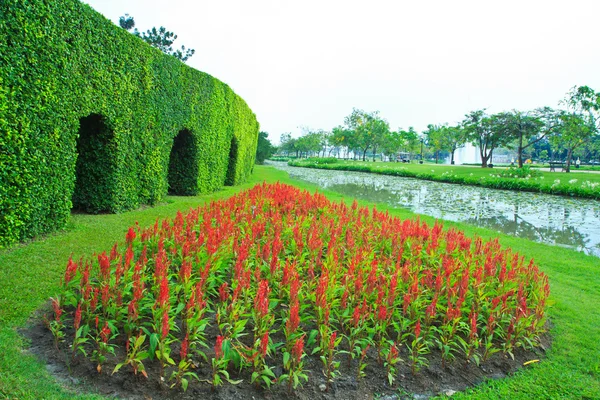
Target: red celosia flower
x,y
418,329
264,344
431,309
356,316
473,320
71,271
298,349
130,235
382,313
77,319
57,309
163,293
184,347
261,301
223,292
393,354
219,347
105,332
332,340
294,320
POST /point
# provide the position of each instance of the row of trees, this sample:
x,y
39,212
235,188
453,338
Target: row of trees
x,y
573,126
362,132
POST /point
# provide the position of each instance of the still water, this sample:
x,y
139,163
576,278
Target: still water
x,y
562,221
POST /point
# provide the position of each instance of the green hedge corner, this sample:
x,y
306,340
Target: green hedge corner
x,y
94,119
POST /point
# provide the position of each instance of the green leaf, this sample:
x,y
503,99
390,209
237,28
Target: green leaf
x,y
139,341
286,358
153,342
117,367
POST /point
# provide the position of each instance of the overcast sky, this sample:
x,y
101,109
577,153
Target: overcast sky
x,y
308,63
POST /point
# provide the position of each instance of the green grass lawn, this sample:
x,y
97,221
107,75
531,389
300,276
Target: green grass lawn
x,y
30,274
575,183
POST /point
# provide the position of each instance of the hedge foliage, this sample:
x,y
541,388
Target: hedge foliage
x,y
590,191
72,83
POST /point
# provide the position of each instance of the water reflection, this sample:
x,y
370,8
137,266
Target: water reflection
x,y
573,223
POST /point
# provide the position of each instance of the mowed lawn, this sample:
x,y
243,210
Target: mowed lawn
x,y
30,274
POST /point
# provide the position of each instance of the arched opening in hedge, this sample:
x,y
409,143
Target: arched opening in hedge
x,y
183,165
96,165
231,167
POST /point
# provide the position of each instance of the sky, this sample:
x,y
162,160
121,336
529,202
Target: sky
x,y
309,63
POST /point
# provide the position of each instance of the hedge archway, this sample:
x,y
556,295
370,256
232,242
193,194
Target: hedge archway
x,y
183,165
95,166
231,167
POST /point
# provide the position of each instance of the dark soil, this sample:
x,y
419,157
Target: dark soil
x,y
81,375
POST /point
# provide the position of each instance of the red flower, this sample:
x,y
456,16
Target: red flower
x,y
71,271
382,313
473,321
298,349
418,329
264,344
184,347
163,294
356,316
219,347
105,332
261,301
223,292
294,320
130,235
77,320
57,310
332,340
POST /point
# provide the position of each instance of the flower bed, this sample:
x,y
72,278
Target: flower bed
x,y
249,286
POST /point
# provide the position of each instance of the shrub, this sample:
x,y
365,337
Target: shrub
x,y
280,273
524,172
322,160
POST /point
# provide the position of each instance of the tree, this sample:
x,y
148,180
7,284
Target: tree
x,y
579,122
434,139
367,130
288,144
485,132
339,138
455,137
573,132
264,148
410,140
524,128
392,143
160,38
380,129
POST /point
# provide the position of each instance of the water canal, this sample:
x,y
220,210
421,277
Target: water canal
x,y
562,221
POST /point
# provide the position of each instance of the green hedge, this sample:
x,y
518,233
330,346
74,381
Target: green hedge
x,y
72,83
557,188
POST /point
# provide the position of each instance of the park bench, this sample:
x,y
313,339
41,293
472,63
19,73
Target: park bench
x,y
554,164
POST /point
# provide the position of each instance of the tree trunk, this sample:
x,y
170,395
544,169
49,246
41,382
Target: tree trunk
x,y
520,151
365,154
569,155
437,155
452,157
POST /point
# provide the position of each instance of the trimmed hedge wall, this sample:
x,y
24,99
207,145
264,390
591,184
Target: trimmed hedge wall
x,y
89,114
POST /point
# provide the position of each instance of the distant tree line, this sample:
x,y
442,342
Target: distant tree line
x,y
569,131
